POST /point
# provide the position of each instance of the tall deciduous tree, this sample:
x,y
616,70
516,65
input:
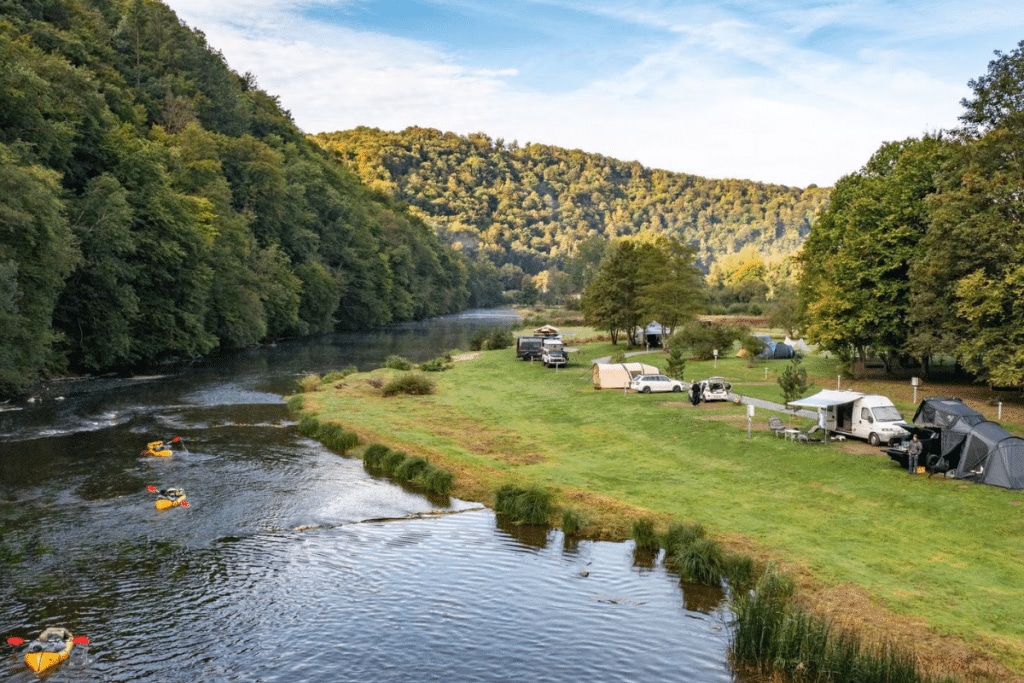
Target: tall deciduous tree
x,y
854,284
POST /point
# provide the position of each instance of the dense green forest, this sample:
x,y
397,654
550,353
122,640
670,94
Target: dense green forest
x,y
548,211
154,204
920,254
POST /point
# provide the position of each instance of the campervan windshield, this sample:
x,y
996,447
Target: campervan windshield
x,y
887,414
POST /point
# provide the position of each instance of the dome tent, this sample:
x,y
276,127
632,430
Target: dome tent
x,y
973,447
991,455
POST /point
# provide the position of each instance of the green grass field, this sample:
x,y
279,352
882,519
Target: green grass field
x,y
889,551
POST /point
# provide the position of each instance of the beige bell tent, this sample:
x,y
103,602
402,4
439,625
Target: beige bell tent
x,y
618,375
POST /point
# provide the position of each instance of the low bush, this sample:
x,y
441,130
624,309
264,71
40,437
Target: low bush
x,y
492,339
523,505
411,383
438,364
396,362
296,403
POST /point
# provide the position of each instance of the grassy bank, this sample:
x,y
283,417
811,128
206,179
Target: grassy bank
x,y
933,563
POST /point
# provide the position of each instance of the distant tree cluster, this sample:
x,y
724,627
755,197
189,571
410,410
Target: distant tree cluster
x,y
154,204
921,252
547,214
642,279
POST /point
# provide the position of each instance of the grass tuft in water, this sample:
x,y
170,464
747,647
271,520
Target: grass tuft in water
x,y
334,436
740,572
572,522
680,535
374,454
310,383
523,505
644,535
408,468
435,480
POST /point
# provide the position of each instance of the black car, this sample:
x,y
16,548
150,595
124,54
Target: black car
x,y
931,448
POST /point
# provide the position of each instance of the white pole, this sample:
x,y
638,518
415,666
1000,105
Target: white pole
x,y
838,380
999,411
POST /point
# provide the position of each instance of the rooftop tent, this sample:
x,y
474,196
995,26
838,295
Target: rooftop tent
x,y
827,398
952,419
547,331
618,375
991,455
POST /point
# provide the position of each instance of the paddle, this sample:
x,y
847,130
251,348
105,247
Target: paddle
x,y
77,640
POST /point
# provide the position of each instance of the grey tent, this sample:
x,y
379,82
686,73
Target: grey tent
x,y
975,448
952,420
991,455
782,351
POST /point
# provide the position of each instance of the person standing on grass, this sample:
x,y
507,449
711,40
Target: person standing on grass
x,y
913,452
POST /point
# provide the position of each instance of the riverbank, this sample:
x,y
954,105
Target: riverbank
x,y
931,563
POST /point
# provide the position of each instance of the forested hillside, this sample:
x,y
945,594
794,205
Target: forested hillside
x,y
533,206
154,204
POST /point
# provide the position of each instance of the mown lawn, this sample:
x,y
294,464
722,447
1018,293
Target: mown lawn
x,y
867,540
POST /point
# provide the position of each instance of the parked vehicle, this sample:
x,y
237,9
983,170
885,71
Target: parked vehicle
x,y
646,384
715,389
529,348
870,417
553,354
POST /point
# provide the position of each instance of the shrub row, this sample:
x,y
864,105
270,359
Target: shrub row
x,y
408,468
331,435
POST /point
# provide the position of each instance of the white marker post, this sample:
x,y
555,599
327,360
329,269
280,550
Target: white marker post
x,y
915,382
715,353
750,419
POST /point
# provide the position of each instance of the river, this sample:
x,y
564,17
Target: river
x,y
294,564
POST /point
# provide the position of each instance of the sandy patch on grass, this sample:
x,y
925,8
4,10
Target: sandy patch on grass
x,y
472,355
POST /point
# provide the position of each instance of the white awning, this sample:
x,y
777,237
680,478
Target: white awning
x,y
827,398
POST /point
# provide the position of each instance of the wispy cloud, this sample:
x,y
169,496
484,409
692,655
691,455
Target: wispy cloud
x,y
778,92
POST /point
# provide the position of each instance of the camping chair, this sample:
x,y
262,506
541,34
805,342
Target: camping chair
x,y
776,425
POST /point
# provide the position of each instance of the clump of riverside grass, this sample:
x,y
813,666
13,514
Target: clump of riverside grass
x,y
408,468
310,383
410,383
572,522
644,535
773,636
331,435
338,375
523,505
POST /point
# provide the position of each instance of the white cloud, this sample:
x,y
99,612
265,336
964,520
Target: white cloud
x,y
728,98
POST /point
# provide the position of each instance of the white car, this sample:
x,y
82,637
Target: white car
x,y
715,389
645,384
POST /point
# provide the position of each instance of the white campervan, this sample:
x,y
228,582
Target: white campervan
x,y
870,417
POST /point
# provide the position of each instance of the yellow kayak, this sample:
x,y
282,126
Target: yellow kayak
x,y
157,449
169,498
52,647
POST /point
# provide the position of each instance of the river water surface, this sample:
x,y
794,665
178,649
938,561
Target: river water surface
x,y
293,563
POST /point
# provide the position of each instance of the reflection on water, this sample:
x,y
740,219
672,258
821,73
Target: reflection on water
x,y
294,564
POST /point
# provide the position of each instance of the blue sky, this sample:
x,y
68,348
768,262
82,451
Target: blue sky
x,y
786,92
